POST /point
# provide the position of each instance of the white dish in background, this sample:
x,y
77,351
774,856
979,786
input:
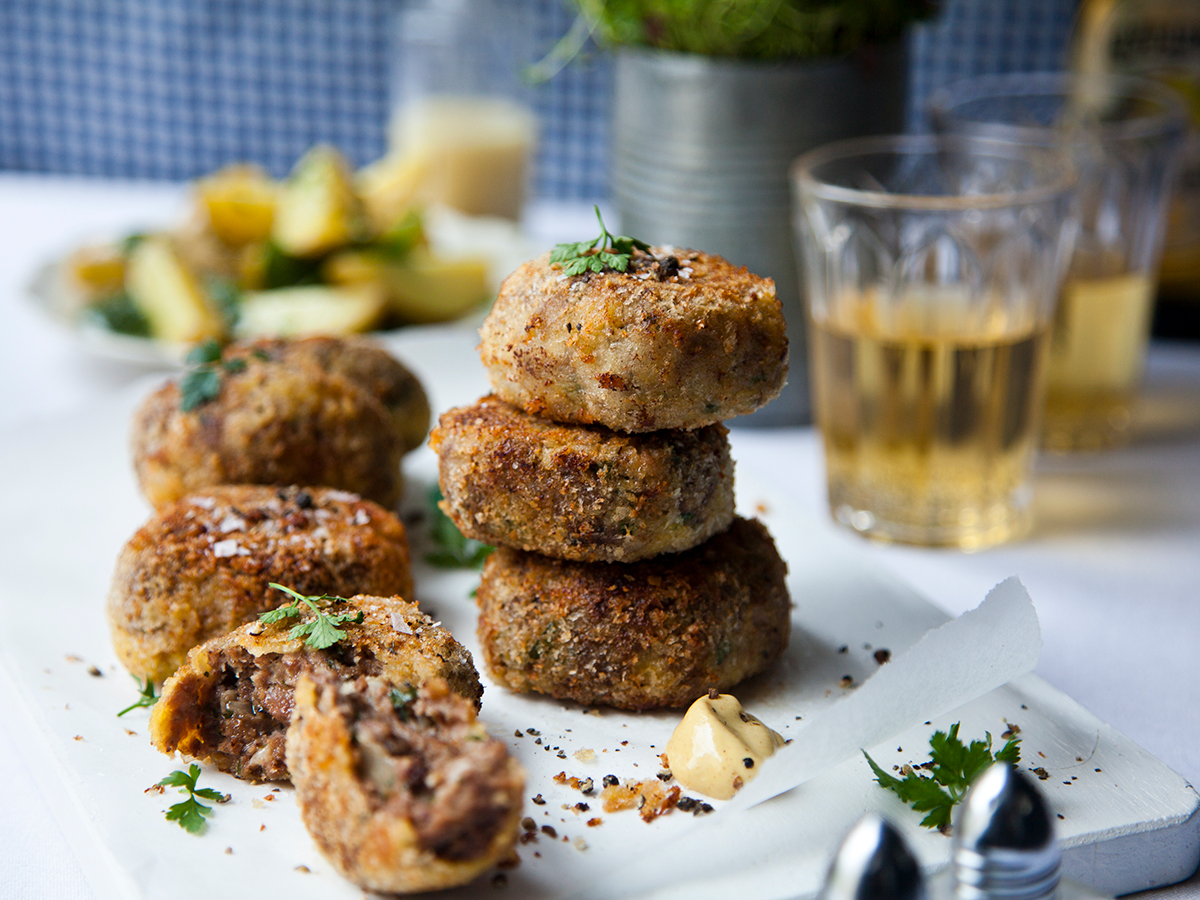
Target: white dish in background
x,y
451,234
50,292
69,486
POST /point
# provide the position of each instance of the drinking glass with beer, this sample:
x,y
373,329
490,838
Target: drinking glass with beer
x,y
931,266
1124,136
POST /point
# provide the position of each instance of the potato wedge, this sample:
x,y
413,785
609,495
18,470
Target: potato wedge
x,y
310,309
318,209
240,203
169,294
97,271
392,186
430,288
348,267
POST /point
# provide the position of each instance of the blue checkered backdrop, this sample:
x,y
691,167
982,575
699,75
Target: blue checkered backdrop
x,y
172,89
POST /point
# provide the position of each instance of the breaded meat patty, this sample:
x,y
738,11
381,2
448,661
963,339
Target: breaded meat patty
x,y
266,413
682,339
402,791
655,633
581,492
230,703
201,566
375,369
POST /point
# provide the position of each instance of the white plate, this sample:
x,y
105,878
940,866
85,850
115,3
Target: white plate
x,y
69,489
450,233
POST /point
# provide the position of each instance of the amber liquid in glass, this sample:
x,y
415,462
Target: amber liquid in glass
x,y
929,433
1097,347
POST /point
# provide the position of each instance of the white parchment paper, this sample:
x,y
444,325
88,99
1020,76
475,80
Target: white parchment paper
x,y
948,667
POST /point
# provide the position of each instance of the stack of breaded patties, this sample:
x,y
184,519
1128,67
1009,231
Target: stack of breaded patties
x,y
600,470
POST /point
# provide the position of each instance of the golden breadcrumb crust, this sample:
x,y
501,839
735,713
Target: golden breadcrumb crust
x,y
581,492
679,344
280,418
201,566
656,633
375,369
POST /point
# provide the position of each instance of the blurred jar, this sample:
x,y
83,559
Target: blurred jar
x,y
462,130
1157,39
1123,136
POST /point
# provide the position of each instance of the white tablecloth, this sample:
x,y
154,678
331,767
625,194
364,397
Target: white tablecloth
x,y
1113,564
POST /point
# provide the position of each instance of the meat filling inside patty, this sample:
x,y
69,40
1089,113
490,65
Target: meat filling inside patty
x,y
244,712
420,756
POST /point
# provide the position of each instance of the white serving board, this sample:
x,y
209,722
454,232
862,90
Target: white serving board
x,y
70,503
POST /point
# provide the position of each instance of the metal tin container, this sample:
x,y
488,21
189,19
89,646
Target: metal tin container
x,y
701,149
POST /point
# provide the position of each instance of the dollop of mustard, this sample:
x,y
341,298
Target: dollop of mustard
x,y
718,747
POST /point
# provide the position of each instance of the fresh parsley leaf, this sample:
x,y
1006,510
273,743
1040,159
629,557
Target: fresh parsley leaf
x,y
454,550
565,252
190,813
226,298
148,696
281,270
625,244
923,794
595,255
279,614
398,241
130,241
117,312
207,351
322,631
199,386
956,765
1010,753
952,767
319,632
185,780
201,383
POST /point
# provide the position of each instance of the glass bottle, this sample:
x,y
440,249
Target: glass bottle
x,y
462,129
1158,39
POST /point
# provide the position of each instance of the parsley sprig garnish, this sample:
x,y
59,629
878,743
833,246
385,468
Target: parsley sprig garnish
x,y
952,767
584,256
454,550
202,381
147,698
319,632
190,813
